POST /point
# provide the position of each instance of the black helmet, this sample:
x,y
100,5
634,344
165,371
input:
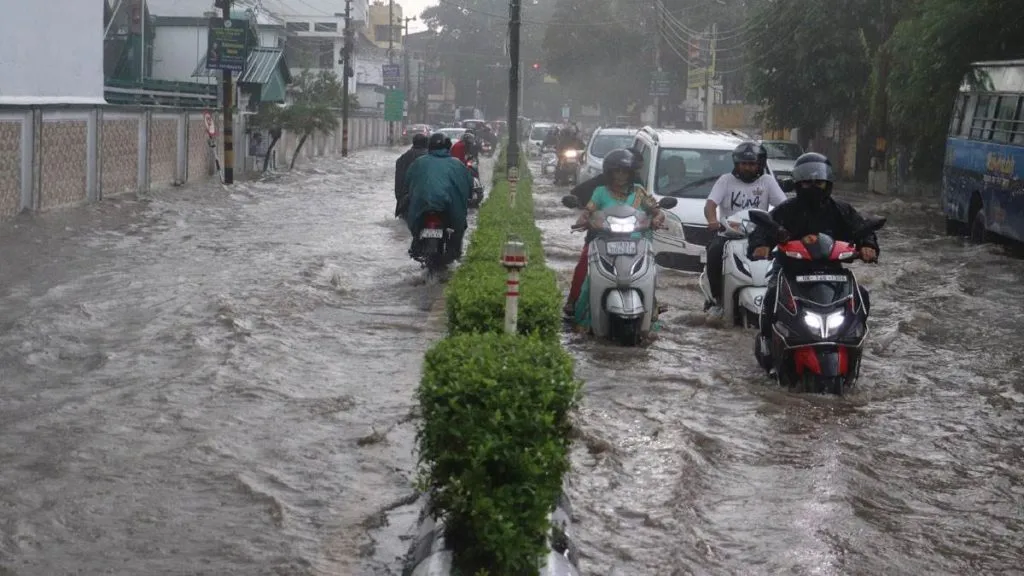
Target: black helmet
x,y
809,171
437,141
468,137
420,141
621,159
745,152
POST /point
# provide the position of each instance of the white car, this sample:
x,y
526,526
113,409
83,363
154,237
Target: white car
x,y
706,155
782,154
538,132
602,141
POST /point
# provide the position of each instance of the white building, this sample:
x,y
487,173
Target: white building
x,y
316,33
52,52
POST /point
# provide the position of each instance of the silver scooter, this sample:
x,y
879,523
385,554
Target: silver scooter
x,y
744,281
622,272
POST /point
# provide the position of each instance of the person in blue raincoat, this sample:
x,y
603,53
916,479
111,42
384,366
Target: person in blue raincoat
x,y
439,183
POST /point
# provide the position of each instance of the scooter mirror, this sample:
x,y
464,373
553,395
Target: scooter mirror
x,y
570,201
762,218
871,224
667,203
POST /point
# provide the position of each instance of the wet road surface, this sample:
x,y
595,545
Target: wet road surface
x,y
210,381
690,462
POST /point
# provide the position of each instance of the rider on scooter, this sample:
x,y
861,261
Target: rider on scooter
x,y
812,212
583,193
619,172
439,183
746,187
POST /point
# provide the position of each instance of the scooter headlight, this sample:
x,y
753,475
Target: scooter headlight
x,y
825,325
570,154
621,225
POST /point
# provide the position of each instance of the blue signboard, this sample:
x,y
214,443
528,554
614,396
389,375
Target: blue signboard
x,y
392,74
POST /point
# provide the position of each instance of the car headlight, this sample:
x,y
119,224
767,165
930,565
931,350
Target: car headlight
x,y
621,224
825,325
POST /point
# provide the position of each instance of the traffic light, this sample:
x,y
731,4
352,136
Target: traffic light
x,y
536,65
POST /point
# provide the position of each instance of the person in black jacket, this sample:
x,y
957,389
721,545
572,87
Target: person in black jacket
x,y
812,212
419,148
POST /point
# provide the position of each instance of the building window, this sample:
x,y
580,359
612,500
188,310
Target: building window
x,y
297,26
380,33
325,27
310,53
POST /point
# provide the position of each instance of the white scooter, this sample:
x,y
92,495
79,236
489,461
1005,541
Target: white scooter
x,y
622,272
548,160
744,281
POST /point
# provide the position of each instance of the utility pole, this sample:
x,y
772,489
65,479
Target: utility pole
x,y
346,62
515,8
229,117
407,71
659,24
709,65
391,60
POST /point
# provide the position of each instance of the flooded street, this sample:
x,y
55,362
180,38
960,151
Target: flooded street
x,y
214,381
690,462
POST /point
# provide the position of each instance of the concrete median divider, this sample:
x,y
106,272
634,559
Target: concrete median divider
x,y
494,430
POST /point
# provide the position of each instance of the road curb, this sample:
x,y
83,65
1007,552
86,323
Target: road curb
x,y
429,556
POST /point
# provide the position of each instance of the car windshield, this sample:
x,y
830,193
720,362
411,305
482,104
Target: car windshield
x,y
783,150
539,132
605,143
453,133
689,173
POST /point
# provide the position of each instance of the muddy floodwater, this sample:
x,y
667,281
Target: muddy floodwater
x,y
213,381
690,462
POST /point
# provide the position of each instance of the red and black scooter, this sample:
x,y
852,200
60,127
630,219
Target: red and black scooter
x,y
820,313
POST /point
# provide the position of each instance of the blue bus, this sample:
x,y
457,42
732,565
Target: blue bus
x,y
983,172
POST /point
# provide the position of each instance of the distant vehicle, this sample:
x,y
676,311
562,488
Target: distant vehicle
x,y
414,129
603,141
781,156
983,173
474,125
538,132
453,133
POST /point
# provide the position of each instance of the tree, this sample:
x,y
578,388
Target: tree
x,y
271,118
318,99
932,49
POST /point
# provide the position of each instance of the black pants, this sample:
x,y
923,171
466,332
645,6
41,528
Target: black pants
x,y
714,250
768,304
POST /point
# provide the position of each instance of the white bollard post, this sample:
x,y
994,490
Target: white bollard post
x,y
513,258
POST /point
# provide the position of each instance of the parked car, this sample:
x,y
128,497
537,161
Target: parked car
x,y
414,129
781,156
601,142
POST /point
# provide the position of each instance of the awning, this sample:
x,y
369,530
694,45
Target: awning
x,y
259,67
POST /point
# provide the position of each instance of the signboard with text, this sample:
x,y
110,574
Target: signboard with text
x,y
226,47
392,74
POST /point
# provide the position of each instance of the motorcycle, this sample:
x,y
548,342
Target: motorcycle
x,y
622,272
433,251
565,169
548,159
477,195
820,312
744,281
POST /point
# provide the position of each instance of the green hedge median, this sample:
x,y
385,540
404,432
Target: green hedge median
x,y
475,298
494,433
494,445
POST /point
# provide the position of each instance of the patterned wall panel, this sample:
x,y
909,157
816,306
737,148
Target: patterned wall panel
x,y
10,168
198,149
163,150
63,161
119,157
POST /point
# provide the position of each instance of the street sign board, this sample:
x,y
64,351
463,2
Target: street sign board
x,y
660,84
226,44
394,105
392,74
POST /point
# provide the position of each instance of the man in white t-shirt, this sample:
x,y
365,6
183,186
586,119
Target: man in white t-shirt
x,y
748,186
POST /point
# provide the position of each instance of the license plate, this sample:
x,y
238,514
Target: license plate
x,y
821,278
621,248
432,233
